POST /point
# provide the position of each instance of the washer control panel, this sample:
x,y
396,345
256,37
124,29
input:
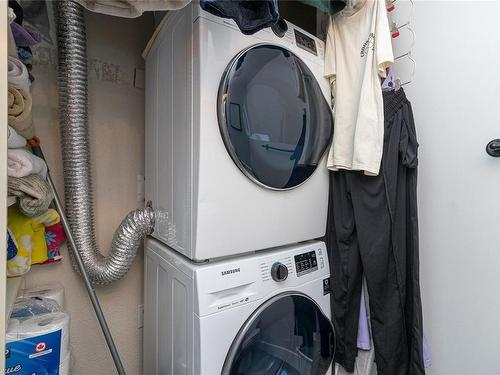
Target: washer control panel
x,y
306,263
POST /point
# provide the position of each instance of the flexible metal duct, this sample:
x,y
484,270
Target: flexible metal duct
x,y
72,82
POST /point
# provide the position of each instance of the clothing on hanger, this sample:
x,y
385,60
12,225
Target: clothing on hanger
x,y
358,51
250,16
373,230
131,8
389,82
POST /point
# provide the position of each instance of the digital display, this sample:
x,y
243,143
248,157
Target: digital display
x,y
305,42
305,263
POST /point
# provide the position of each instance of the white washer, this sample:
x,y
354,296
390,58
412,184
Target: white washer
x,y
236,132
266,313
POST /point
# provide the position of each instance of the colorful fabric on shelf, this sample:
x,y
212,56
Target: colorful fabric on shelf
x,y
24,36
25,55
54,237
54,234
19,111
48,218
33,193
30,237
11,245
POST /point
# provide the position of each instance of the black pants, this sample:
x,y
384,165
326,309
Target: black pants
x,y
373,230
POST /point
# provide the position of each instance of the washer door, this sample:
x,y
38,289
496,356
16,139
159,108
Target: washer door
x,y
286,335
274,119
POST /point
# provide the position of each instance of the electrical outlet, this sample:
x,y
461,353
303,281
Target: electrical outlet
x,y
140,316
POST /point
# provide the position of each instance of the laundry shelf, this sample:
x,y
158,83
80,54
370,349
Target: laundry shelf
x,y
13,285
10,201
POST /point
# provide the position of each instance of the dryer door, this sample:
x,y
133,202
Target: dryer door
x,y
274,119
286,335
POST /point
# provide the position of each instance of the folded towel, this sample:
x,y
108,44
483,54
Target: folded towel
x,y
15,140
21,163
48,218
18,74
12,247
30,237
33,192
20,112
24,35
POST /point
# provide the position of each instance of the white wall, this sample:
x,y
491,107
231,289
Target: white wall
x,y
456,101
117,143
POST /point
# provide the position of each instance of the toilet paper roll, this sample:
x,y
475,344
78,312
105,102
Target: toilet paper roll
x,y
53,291
41,325
64,367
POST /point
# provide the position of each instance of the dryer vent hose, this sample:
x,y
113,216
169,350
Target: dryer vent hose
x,y
72,81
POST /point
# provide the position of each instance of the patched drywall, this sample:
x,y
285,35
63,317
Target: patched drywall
x,y
116,116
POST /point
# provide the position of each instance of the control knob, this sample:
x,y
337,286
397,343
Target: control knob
x,y
279,272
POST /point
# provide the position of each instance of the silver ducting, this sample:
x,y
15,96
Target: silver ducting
x,y
72,82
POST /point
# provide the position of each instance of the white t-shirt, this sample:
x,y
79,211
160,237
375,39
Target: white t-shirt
x,y
358,50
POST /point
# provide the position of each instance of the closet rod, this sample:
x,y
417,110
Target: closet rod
x,y
37,150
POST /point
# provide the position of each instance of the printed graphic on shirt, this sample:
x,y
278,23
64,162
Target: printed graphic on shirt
x,y
369,44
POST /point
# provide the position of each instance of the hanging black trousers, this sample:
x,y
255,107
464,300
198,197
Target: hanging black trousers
x,y
373,231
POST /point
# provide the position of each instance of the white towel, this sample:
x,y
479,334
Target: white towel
x,y
15,140
21,163
131,8
18,75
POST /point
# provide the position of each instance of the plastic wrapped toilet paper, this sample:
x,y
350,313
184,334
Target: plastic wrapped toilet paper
x,y
39,343
53,291
25,308
64,367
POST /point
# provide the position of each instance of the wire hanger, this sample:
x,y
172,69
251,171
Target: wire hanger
x,y
397,81
408,55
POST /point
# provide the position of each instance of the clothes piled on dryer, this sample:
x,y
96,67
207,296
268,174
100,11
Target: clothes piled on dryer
x,y
250,16
373,230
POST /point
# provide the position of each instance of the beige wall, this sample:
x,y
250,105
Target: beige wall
x,y
116,115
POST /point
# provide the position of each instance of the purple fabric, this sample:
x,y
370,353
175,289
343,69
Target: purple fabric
x,y
388,83
364,333
427,354
24,36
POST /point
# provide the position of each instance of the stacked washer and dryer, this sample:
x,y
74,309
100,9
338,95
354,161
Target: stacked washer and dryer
x,y
236,132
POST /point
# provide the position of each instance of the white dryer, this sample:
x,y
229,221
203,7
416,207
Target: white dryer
x,y
259,314
236,131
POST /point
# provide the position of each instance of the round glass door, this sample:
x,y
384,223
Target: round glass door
x,y
274,119
287,335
